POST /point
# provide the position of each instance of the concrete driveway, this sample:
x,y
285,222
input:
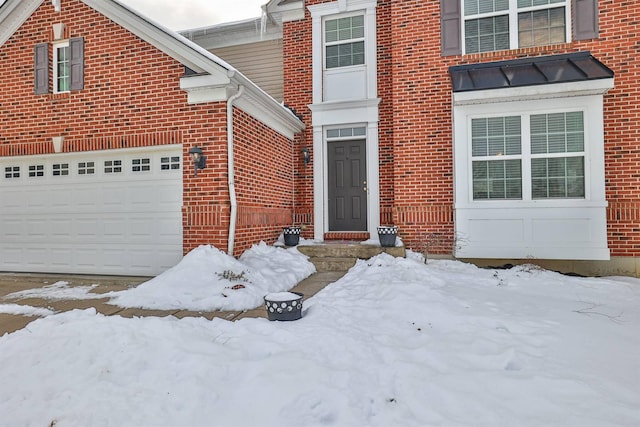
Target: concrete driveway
x,y
15,282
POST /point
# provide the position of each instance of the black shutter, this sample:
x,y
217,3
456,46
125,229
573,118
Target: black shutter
x,y
41,68
585,19
450,30
76,63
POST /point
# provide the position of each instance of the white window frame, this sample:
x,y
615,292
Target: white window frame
x,y
551,228
513,21
327,44
56,46
526,156
345,111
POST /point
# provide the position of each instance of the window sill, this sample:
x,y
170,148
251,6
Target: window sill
x,y
59,95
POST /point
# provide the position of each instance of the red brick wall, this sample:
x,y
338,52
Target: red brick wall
x,y
422,131
385,126
416,148
264,182
131,99
297,38
298,88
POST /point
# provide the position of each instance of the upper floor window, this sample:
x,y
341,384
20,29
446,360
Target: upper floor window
x,y
344,41
61,67
491,25
67,65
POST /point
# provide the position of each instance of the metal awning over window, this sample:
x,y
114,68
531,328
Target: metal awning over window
x,y
573,67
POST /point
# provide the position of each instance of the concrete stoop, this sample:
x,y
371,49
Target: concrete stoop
x,y
342,256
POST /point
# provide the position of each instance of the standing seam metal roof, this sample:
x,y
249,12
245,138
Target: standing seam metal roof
x,y
572,67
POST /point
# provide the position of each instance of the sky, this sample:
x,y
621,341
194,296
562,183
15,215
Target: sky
x,y
184,14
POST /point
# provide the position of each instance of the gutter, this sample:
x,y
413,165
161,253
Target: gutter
x,y
231,171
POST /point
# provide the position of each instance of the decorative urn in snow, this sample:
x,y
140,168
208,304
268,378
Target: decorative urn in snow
x,y
387,235
284,305
291,235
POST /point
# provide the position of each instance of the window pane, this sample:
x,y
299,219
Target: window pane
x,y
497,179
541,27
529,3
575,142
345,55
496,136
557,133
344,28
557,177
556,143
474,7
487,34
344,34
62,69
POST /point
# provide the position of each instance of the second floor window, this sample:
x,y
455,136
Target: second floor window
x,y
491,25
344,41
61,67
65,59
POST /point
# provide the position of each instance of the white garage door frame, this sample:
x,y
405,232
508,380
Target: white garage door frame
x,y
115,212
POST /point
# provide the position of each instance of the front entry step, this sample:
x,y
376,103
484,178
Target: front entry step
x,y
343,256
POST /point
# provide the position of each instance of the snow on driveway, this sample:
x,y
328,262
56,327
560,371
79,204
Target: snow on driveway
x,y
393,343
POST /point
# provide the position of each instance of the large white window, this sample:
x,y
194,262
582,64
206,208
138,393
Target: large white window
x,y
557,155
552,152
529,175
344,41
491,25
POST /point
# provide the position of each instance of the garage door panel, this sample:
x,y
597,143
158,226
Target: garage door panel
x,y
109,223
87,198
12,228
36,257
86,228
115,229
13,201
12,256
62,228
60,198
61,258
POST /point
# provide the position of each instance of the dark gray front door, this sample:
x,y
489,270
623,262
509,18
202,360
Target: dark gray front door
x,y
347,186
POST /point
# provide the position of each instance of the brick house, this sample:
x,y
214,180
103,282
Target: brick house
x,y
100,110
495,131
491,130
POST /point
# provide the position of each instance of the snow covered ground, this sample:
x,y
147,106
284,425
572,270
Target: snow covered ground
x,y
205,280
393,343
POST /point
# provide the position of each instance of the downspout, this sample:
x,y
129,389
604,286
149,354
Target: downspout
x,y
231,171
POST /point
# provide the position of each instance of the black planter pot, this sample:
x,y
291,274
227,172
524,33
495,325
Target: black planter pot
x,y
281,306
291,236
387,235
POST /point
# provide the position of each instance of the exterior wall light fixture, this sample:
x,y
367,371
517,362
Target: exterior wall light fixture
x,y
199,161
306,156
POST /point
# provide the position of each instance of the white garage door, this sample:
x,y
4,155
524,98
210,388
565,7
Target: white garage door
x,y
106,212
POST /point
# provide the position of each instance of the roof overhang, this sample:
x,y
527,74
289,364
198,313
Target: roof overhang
x,y
223,78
